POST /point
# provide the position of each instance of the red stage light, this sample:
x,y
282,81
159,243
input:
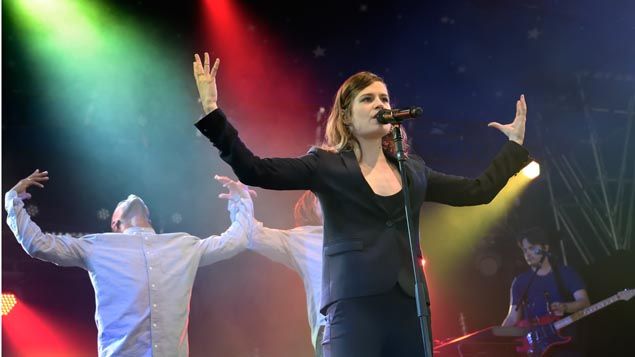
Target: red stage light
x,y
259,81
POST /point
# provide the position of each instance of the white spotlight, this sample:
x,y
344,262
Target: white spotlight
x,y
532,170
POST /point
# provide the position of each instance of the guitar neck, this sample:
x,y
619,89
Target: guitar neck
x,y
585,312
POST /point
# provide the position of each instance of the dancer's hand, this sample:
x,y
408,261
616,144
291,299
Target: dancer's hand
x,y
236,188
205,77
516,130
34,179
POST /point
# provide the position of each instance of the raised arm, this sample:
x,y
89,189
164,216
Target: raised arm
x,y
268,242
274,243
234,239
273,173
61,250
462,191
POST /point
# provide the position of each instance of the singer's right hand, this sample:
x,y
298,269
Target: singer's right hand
x,y
206,82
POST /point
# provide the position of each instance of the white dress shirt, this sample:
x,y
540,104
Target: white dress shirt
x,y
301,250
142,280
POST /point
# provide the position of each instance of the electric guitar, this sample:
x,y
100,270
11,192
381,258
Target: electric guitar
x,y
539,339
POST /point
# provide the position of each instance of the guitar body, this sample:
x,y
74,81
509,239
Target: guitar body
x,y
541,336
544,333
540,339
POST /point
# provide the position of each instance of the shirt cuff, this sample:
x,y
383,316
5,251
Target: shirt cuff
x,y
9,198
255,231
244,205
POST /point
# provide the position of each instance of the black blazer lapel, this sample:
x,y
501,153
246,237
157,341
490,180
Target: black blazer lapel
x,y
350,161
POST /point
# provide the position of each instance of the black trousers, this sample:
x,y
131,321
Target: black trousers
x,y
373,326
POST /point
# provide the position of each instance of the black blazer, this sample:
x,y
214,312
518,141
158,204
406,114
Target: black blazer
x,y
365,247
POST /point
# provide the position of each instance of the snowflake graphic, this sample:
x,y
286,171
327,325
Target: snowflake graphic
x,y
103,214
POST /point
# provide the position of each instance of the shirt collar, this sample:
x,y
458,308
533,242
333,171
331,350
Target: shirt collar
x,y
137,230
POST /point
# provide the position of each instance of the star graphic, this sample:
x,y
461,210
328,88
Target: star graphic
x,y
32,210
533,34
103,214
319,52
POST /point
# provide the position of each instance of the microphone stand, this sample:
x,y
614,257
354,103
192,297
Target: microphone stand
x,y
421,287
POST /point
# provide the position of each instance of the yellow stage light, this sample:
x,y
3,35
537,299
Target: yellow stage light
x,y
532,170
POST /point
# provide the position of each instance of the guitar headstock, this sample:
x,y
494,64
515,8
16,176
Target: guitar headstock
x,y
626,294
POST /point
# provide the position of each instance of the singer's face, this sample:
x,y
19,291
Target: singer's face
x,y
364,108
532,252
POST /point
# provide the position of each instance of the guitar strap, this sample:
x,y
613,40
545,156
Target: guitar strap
x,y
562,288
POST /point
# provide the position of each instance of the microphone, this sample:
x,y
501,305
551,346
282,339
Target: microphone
x,y
396,116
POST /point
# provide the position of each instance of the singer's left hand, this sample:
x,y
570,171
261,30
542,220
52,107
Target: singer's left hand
x,y
516,130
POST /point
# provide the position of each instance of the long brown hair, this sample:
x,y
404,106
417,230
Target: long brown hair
x,y
338,135
305,210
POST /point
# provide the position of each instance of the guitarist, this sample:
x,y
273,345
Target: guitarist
x,y
546,292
